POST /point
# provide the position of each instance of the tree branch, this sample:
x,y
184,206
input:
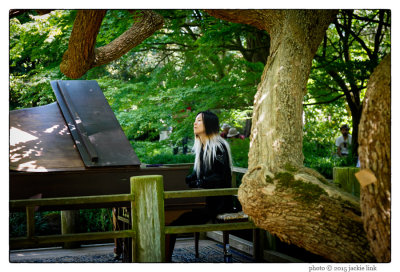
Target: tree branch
x,y
261,19
357,38
325,102
79,57
190,32
366,19
16,12
378,37
140,30
82,55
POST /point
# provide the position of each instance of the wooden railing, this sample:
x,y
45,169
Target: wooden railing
x,y
147,213
205,227
30,240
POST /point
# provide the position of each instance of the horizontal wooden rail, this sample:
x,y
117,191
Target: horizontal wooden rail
x,y
70,200
209,227
179,164
35,241
200,193
51,239
236,169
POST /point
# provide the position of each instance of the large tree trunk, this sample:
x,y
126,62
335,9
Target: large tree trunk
x,y
374,151
82,55
292,202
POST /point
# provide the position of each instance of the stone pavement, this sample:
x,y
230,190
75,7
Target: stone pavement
x,y
210,251
68,255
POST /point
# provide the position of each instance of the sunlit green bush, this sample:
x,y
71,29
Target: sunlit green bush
x,y
240,151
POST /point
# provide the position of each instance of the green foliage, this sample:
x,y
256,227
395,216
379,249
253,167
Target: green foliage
x,y
349,58
178,67
17,224
162,152
337,84
147,150
171,159
114,24
353,46
320,130
49,223
240,151
36,49
324,165
95,220
322,127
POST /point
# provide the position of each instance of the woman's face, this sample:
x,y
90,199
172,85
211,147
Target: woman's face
x,y
198,126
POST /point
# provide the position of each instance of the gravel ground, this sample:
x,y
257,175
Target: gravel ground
x,y
210,251
85,254
107,258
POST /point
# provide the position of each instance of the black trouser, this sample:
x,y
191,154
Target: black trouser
x,y
194,217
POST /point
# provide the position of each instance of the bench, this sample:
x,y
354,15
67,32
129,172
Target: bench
x,y
226,218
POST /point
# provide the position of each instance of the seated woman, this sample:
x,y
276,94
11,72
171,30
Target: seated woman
x,y
212,169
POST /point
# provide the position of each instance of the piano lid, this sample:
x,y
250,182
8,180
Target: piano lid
x,y
41,142
37,135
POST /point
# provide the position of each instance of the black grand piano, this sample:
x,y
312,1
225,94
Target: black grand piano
x,y
76,147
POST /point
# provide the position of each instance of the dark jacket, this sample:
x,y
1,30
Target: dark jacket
x,y
219,176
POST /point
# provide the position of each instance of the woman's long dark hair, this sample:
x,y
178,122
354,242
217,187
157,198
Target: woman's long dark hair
x,y
213,142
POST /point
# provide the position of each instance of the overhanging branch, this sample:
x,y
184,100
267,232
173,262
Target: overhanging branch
x,y
16,12
140,30
325,102
82,55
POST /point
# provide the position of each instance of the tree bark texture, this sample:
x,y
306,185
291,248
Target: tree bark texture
x,y
301,208
82,55
374,154
292,202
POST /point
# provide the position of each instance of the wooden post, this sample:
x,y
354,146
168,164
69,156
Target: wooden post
x,y
69,223
148,218
344,177
30,221
355,185
258,244
340,176
270,240
234,183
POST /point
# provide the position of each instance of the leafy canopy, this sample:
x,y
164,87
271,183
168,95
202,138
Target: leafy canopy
x,y
199,62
